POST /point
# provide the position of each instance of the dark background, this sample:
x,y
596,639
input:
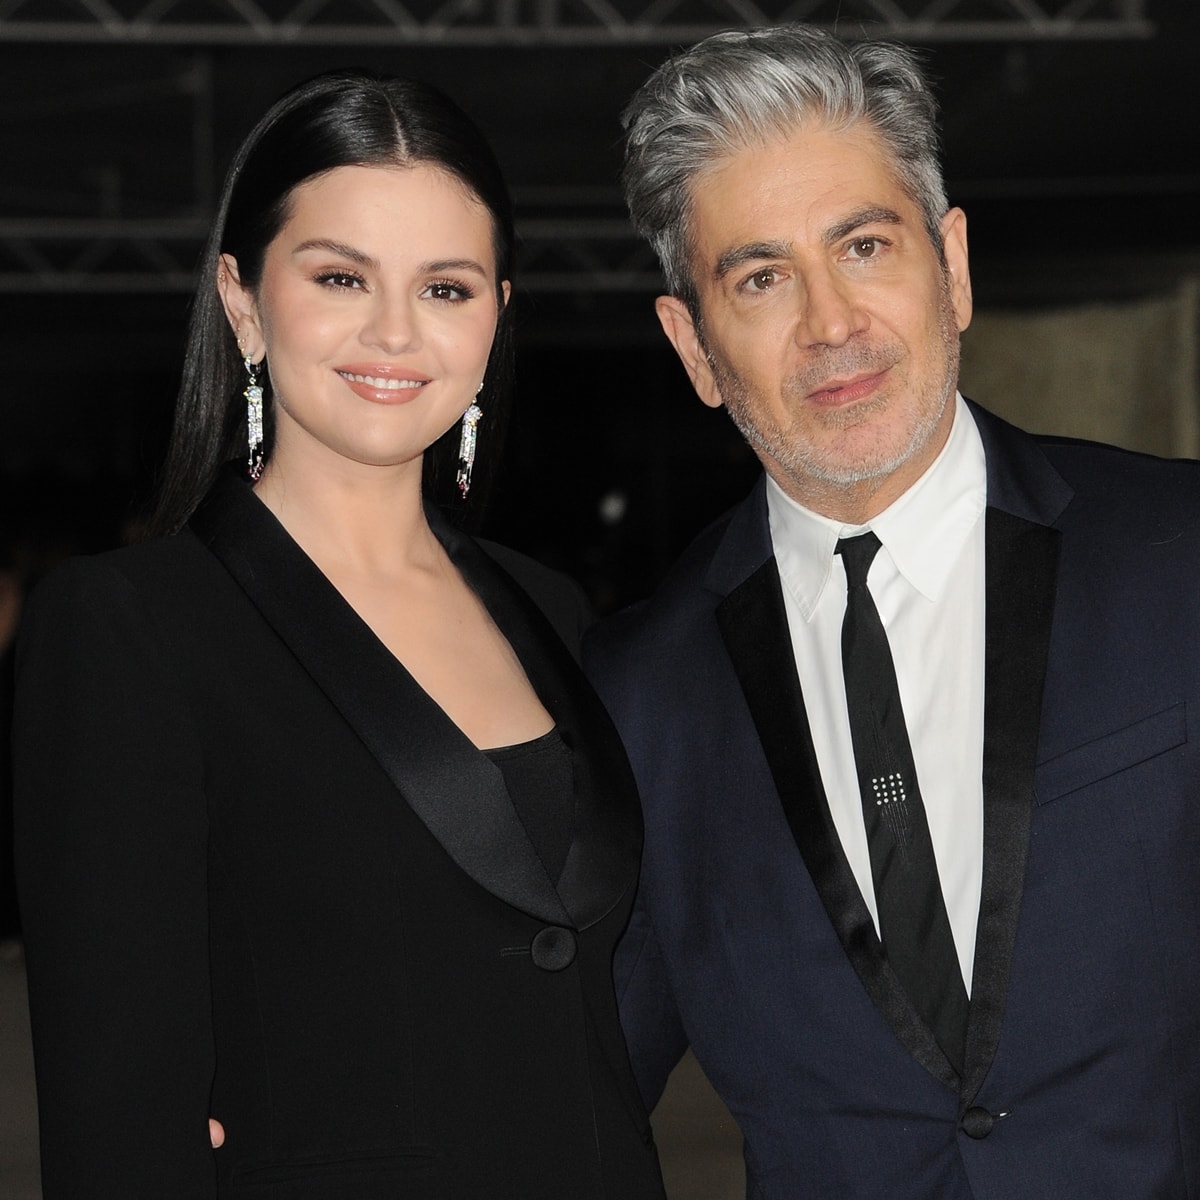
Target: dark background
x,y
1072,146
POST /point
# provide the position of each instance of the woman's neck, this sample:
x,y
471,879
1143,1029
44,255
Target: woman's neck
x,y
359,519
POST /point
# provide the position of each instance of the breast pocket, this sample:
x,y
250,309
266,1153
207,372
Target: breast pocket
x,y
1111,753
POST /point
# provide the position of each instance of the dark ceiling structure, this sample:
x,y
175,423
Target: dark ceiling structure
x,y
1070,140
118,115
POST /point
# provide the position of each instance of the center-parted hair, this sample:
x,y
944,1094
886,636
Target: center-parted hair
x,y
338,119
746,88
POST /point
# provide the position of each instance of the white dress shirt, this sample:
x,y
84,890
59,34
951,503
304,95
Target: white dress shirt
x,y
927,581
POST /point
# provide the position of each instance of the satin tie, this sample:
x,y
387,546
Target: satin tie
x,y
913,924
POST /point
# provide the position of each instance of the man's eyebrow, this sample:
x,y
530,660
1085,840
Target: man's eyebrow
x,y
750,252
856,220
338,248
738,256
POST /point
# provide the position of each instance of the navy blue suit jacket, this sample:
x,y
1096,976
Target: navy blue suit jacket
x,y
751,942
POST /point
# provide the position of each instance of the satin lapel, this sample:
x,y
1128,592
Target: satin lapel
x,y
753,624
1021,566
455,791
602,861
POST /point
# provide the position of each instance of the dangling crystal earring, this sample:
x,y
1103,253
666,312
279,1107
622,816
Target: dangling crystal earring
x,y
466,448
254,420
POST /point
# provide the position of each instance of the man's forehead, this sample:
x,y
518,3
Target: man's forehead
x,y
815,186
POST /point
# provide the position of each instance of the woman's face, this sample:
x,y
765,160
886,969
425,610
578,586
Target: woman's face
x,y
376,311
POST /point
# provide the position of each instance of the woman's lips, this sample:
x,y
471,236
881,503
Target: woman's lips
x,y
381,385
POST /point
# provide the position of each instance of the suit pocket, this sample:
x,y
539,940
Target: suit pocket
x,y
412,1174
1112,753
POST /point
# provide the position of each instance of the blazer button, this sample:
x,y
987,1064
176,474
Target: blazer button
x,y
977,1122
553,949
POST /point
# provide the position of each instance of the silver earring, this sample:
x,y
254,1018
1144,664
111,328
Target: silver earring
x,y
466,448
254,420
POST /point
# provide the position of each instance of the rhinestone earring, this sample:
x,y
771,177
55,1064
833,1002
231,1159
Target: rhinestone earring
x,y
254,420
466,448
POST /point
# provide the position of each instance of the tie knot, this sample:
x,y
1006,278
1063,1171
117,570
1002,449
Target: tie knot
x,y
857,555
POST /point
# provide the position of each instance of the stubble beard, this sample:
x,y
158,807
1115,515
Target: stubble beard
x,y
795,453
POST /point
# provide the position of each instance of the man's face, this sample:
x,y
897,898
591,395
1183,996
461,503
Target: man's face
x,y
829,323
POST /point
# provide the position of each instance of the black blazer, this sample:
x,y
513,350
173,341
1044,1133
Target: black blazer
x,y
751,941
264,876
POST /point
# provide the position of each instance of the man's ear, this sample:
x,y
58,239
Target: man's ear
x,y
954,239
680,329
241,309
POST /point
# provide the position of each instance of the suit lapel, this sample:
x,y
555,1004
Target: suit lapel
x,y
1025,497
753,624
453,788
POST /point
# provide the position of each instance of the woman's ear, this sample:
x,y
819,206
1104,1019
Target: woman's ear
x,y
241,309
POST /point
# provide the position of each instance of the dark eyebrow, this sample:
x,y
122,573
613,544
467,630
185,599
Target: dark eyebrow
x,y
365,260
338,248
751,252
856,220
453,264
757,251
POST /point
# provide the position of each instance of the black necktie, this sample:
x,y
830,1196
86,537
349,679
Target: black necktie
x,y
913,924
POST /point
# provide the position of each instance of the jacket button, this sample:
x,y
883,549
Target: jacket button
x,y
977,1122
553,948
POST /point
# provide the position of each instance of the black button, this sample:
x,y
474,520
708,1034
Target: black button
x,y
977,1122
553,948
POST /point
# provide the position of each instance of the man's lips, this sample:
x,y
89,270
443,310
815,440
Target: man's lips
x,y
846,391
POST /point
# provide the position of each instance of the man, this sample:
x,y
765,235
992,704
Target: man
x,y
921,884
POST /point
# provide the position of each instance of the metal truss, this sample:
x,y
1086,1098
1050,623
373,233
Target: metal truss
x,y
569,247
551,22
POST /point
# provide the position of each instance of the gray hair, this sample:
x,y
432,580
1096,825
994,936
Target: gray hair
x,y
744,88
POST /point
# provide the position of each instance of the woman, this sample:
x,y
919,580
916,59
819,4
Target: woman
x,y
320,829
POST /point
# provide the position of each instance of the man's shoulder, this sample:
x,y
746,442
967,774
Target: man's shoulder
x,y
1087,482
1126,497
1085,461
1097,466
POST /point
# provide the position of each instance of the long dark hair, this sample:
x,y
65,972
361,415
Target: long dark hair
x,y
338,119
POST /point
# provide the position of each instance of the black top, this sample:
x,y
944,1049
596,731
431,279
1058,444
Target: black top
x,y
539,777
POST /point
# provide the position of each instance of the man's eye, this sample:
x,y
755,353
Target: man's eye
x,y
864,247
761,281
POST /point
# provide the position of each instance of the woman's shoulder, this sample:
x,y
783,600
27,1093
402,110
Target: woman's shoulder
x,y
142,566
146,586
560,598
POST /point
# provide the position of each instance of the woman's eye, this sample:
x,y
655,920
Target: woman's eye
x,y
443,289
340,279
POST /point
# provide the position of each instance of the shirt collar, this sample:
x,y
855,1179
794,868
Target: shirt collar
x,y
923,531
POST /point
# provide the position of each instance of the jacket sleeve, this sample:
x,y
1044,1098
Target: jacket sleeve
x,y
649,1017
111,864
